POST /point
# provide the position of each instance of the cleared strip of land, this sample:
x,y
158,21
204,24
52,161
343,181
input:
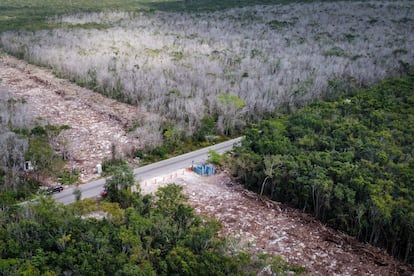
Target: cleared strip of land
x,y
262,226
95,121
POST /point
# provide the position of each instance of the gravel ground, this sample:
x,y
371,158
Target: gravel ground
x,y
95,121
258,225
263,226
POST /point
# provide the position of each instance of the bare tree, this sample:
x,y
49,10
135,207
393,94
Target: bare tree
x,y
177,64
12,147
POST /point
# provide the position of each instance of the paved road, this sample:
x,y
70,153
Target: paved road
x,y
93,188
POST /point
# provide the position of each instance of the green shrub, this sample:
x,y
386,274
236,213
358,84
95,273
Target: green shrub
x,y
109,166
69,176
215,157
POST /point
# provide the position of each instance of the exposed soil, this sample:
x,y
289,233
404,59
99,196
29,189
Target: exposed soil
x,y
95,121
258,225
264,226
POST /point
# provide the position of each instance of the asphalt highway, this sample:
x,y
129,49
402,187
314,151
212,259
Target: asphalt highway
x,y
93,188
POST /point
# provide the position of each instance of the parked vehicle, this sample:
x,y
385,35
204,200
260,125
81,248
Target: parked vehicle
x,y
55,188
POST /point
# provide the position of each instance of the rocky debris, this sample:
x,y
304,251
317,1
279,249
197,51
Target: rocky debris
x,y
263,226
95,121
252,223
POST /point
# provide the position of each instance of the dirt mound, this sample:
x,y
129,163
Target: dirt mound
x,y
95,122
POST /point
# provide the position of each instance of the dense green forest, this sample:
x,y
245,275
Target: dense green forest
x,y
349,161
127,234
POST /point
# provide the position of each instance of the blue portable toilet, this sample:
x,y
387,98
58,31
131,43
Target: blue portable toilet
x,y
205,169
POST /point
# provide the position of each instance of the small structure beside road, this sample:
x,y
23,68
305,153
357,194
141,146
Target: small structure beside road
x,y
204,169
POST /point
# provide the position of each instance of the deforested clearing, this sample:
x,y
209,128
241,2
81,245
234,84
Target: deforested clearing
x,y
186,65
258,225
96,122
